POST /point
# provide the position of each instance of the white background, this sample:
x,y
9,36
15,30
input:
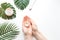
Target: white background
x,y
45,13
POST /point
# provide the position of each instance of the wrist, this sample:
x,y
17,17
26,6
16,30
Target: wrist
x,y
39,36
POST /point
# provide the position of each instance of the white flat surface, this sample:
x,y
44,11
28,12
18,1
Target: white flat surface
x,y
46,14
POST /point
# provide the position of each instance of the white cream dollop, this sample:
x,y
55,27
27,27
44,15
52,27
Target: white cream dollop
x,y
9,11
27,23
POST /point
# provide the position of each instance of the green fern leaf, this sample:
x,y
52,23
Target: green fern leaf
x,y
1,11
4,7
21,4
8,31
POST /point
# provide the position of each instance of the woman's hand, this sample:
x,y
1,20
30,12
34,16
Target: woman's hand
x,y
27,29
30,29
36,33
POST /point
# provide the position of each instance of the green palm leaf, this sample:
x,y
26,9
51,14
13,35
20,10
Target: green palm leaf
x,y
1,11
8,31
3,8
21,4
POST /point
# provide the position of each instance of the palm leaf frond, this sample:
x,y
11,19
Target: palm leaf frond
x,y
21,4
8,31
3,8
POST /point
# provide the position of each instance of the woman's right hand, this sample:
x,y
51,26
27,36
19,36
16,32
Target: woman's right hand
x,y
38,35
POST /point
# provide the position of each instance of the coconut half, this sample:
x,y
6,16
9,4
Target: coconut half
x,y
9,12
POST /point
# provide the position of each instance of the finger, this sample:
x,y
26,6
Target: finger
x,y
34,26
27,30
26,23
